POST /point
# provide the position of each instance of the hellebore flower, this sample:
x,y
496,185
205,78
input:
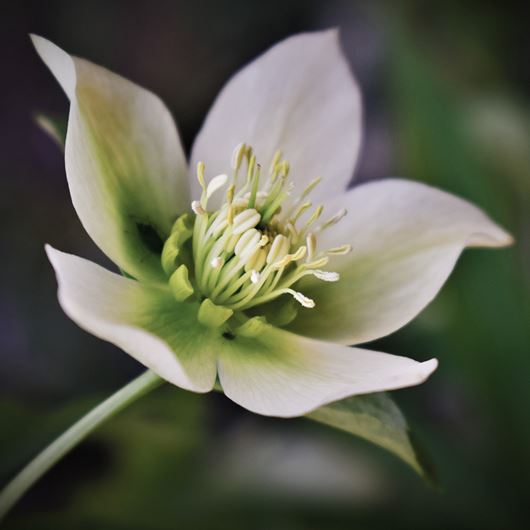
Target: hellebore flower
x,y
258,276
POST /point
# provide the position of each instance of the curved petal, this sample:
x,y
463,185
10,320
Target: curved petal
x,y
145,321
300,97
124,162
282,374
406,238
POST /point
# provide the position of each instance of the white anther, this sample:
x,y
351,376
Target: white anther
x,y
247,243
279,249
237,156
326,276
197,208
300,298
217,182
254,276
245,220
217,262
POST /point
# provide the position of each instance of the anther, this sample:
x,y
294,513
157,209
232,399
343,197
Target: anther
x,y
254,276
217,262
246,219
301,299
197,208
311,242
279,249
200,174
326,275
339,251
237,156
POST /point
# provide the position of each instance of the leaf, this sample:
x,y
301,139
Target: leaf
x,y
376,418
54,127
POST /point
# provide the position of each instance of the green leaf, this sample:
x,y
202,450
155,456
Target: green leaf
x,y
376,418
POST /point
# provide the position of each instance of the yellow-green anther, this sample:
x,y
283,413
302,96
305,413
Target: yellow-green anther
x,y
310,187
316,264
256,261
339,251
274,164
180,284
300,210
314,216
211,315
251,166
245,220
255,185
237,157
333,220
311,243
200,175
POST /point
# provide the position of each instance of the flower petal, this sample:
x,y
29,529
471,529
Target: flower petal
x,y
124,162
282,374
300,97
145,321
406,238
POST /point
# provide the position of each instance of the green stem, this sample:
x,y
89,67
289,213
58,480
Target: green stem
x,y
71,437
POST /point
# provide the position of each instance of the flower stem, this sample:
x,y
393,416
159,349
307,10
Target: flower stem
x,y
75,434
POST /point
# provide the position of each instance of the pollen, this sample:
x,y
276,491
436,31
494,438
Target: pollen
x,y
258,244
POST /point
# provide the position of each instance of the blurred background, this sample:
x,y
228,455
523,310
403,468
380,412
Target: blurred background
x,y
447,101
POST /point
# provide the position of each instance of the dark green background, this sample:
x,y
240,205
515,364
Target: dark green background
x,y
446,93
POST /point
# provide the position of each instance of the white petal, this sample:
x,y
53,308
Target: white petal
x,y
300,97
144,321
282,374
124,162
406,238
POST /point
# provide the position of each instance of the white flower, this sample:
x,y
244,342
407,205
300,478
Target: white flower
x,y
228,280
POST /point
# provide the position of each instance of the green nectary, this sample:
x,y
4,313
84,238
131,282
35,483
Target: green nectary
x,y
249,251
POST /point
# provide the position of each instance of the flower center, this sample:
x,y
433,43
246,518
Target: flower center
x,y
256,246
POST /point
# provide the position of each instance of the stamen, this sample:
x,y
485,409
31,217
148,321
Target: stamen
x,y
217,262
197,208
339,251
299,297
333,220
216,183
273,167
237,156
326,275
245,220
300,210
249,252
311,243
200,174
279,249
